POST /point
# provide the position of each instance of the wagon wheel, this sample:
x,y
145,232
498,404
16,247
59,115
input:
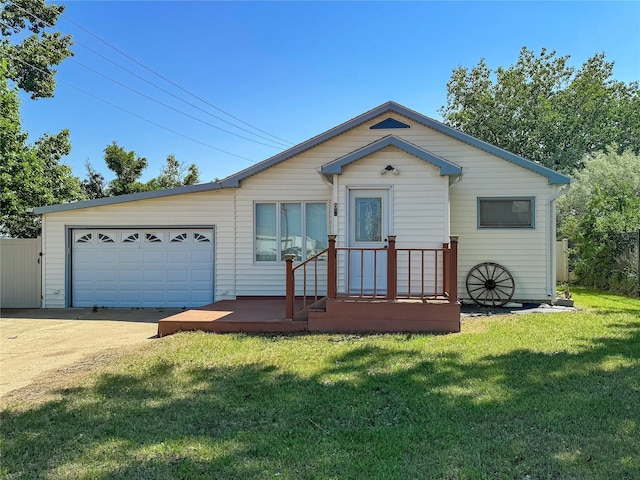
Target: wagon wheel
x,y
490,284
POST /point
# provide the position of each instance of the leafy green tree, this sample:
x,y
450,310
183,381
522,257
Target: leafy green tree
x,y
545,110
601,217
128,167
175,174
30,59
30,175
93,184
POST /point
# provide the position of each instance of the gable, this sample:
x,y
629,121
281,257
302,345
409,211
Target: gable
x,y
446,167
553,177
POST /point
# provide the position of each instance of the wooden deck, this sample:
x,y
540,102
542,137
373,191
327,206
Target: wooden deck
x,y
258,315
267,315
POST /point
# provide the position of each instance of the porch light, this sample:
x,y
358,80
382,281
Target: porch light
x,y
389,168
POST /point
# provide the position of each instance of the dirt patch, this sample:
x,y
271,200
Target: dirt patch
x,y
42,348
55,383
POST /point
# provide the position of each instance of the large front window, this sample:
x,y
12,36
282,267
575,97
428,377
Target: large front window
x,y
297,228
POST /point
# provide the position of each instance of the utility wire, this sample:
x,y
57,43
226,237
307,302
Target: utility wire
x,y
132,113
177,97
169,106
156,73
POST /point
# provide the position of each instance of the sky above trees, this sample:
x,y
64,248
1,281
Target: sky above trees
x,y
291,69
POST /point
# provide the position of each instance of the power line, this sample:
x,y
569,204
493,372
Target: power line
x,y
175,96
157,74
167,105
133,113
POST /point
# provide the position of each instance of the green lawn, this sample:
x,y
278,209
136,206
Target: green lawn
x,y
514,397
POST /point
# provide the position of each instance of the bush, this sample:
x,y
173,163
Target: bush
x,y
601,217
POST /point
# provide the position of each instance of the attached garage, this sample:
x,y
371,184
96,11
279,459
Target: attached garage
x,y
138,267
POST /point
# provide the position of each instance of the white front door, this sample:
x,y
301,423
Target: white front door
x,y
368,230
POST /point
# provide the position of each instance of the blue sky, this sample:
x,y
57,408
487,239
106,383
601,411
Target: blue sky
x,y
292,69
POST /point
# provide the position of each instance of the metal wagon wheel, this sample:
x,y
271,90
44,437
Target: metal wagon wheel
x,y
490,284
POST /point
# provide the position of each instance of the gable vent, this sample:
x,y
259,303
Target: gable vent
x,y
389,123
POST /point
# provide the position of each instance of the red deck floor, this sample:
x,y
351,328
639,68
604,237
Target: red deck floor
x,y
266,315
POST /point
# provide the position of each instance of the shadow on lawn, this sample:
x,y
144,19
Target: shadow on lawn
x,y
371,412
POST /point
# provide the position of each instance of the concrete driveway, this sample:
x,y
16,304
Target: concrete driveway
x,y
40,342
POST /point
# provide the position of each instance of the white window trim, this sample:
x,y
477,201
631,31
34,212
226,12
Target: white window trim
x,y
278,220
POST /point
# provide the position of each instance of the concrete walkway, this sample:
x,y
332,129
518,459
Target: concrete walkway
x,y
36,342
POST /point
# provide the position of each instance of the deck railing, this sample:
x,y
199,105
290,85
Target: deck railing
x,y
376,274
309,283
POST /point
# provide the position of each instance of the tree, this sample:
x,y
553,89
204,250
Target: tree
x,y
545,110
175,174
30,175
128,167
93,185
30,60
601,217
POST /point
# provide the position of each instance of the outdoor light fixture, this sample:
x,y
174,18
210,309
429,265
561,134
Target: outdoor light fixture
x,y
389,168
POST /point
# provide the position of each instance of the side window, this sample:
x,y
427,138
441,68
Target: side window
x,y
506,212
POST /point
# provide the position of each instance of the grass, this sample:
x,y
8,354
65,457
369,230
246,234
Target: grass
x,y
539,396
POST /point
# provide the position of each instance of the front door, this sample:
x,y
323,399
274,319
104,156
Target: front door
x,y
368,230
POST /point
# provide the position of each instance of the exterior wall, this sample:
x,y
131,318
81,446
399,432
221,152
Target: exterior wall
x,y
523,251
295,180
197,209
425,211
418,198
20,278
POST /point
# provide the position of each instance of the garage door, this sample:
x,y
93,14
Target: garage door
x,y
142,267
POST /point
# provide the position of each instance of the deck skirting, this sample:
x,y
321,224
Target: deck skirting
x,y
383,316
267,315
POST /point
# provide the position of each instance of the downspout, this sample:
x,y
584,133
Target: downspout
x,y
551,241
334,207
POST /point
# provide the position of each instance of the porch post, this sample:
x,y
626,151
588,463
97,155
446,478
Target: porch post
x,y
391,268
290,300
332,278
445,268
453,270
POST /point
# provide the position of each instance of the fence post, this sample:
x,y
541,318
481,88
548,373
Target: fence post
x,y
453,270
332,277
391,268
445,269
291,294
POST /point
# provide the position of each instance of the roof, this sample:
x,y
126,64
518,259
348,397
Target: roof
x,y
234,180
446,167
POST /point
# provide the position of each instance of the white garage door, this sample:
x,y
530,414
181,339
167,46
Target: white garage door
x,y
142,267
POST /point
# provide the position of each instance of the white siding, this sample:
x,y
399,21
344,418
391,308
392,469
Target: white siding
x,y
522,251
295,180
425,211
418,198
422,203
197,209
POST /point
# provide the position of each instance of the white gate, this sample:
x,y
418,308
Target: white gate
x,y
20,273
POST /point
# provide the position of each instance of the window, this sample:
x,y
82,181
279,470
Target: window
x,y
289,228
510,212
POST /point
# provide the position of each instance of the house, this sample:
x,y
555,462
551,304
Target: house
x,y
390,178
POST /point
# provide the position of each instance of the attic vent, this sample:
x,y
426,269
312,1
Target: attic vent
x,y
389,123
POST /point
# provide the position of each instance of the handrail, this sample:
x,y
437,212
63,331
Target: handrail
x,y
310,259
436,274
291,312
